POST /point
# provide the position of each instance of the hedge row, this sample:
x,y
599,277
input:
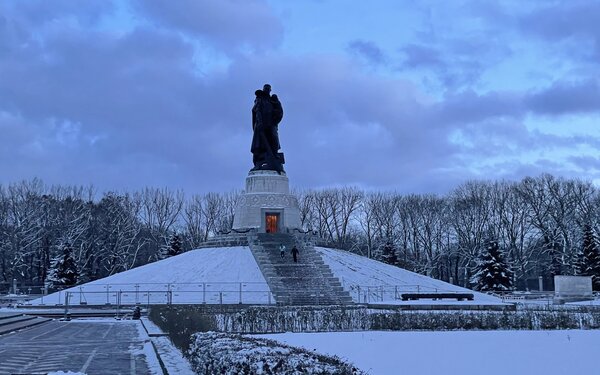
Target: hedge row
x,y
223,353
182,321
482,320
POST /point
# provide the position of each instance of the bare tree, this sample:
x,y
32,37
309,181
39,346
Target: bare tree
x,y
426,216
366,221
470,212
228,211
550,208
195,222
160,212
306,202
213,209
514,228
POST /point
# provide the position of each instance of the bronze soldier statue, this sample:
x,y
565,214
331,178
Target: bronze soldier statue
x,y
267,113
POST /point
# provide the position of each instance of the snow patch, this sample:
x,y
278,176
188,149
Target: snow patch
x,y
147,351
171,357
458,352
361,277
212,275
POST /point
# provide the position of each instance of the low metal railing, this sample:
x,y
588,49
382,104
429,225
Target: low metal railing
x,y
160,293
210,293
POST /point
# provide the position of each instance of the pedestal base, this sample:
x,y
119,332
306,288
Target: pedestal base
x,y
266,204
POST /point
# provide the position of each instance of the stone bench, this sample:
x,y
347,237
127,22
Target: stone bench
x,y
435,296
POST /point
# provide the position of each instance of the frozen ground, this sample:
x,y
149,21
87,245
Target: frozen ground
x,y
171,357
231,275
595,302
94,346
212,275
357,271
458,352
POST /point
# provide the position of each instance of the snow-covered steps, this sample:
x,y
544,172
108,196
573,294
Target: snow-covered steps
x,y
15,322
306,282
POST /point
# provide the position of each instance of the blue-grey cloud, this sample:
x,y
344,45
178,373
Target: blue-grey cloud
x,y
37,13
368,50
229,24
562,20
586,163
561,98
419,56
569,27
455,44
469,107
79,104
567,98
456,62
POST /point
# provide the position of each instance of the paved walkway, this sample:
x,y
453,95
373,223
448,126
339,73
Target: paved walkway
x,y
89,346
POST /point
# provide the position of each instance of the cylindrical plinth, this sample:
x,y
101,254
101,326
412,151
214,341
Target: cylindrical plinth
x,y
267,193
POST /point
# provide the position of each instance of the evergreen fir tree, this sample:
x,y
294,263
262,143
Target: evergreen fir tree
x,y
553,249
163,252
589,257
492,272
388,254
175,247
64,271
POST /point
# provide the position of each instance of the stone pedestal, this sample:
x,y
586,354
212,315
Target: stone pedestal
x,y
267,194
572,288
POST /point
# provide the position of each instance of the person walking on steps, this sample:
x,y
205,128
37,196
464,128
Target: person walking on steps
x,y
295,253
282,250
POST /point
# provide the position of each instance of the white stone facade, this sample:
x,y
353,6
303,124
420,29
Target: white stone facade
x,y
267,192
573,286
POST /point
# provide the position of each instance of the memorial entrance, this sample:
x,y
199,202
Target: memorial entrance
x,y
272,222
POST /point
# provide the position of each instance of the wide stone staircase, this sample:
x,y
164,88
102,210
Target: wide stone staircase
x,y
10,322
308,282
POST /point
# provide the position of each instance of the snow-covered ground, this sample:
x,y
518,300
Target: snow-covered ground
x,y
171,357
210,275
458,352
147,351
595,302
377,282
231,275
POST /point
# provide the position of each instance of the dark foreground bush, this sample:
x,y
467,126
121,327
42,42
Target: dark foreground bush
x,y
484,320
229,354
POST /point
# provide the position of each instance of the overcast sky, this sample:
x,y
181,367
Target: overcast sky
x,y
412,96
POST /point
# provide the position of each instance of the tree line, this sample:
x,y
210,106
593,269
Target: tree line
x,y
539,224
105,235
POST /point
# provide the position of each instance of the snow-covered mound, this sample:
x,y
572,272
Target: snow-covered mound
x,y
372,281
231,275
211,275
